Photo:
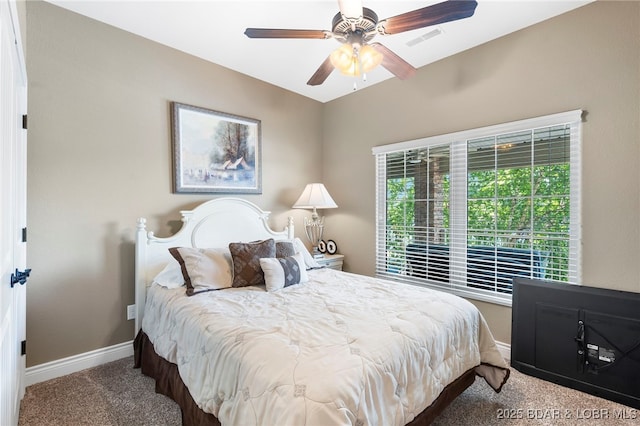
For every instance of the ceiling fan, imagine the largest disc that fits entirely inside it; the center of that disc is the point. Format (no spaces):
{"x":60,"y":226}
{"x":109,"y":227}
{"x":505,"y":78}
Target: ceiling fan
{"x":355,"y":26}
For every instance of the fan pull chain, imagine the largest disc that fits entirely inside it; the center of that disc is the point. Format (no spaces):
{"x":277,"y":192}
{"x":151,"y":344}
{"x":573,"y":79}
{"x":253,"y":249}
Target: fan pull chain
{"x":356,"y":67}
{"x":359,"y":67}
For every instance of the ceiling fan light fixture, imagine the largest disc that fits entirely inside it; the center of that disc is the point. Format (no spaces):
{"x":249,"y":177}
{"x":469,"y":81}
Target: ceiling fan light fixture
{"x":369,"y":58}
{"x":352,"y":60}
{"x":345,"y":60}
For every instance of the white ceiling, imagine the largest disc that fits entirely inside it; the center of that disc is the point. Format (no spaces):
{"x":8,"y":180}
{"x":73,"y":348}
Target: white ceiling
{"x":214,"y":30}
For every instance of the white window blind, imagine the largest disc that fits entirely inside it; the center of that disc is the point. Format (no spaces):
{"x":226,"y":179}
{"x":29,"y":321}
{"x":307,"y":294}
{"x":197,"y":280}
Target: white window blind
{"x":469,"y":211}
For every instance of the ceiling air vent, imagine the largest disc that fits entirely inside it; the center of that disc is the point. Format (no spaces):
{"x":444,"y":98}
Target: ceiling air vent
{"x":431,"y":34}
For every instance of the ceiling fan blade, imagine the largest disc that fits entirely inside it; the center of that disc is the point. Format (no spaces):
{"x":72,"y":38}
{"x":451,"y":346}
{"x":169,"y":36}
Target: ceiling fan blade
{"x":350,"y":8}
{"x":440,"y":13}
{"x":321,"y":73}
{"x":283,"y":33}
{"x":394,"y":63}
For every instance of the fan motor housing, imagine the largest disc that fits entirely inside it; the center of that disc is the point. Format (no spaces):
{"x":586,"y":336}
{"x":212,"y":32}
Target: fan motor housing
{"x":365,"y":26}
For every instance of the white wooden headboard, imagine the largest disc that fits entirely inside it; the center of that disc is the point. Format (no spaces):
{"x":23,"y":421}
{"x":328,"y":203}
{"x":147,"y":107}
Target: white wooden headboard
{"x":215,"y":223}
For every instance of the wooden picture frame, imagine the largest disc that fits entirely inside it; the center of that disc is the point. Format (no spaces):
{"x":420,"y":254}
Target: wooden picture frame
{"x":215,"y":152}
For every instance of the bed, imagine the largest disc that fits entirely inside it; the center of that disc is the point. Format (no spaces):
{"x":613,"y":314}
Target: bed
{"x":301,"y":345}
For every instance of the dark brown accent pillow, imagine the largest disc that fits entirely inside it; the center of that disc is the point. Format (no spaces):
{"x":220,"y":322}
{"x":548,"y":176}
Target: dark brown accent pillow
{"x":285,"y":249}
{"x":246,"y":261}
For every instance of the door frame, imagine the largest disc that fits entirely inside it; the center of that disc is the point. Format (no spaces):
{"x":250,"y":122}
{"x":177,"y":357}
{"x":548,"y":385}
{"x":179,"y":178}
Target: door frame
{"x":13,"y":156}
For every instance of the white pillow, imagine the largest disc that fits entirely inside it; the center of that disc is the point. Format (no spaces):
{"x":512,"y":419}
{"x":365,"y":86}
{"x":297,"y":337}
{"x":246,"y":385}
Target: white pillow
{"x":170,"y":276}
{"x":280,"y":272}
{"x":309,"y":261}
{"x":204,"y":269}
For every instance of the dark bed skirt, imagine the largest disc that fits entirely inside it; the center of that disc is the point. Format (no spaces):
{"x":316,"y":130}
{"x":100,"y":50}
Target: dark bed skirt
{"x":169,"y":383}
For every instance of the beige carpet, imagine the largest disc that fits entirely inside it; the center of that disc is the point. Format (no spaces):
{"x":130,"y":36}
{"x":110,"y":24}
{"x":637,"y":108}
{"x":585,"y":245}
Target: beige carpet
{"x":117,"y":394}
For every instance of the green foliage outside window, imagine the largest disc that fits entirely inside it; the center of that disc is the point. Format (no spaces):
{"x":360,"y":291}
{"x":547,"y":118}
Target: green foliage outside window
{"x":525,"y":207}
{"x":400,"y":220}
{"x":522,"y":208}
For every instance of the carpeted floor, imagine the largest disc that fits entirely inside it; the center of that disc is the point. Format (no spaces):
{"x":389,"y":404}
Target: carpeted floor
{"x":117,"y":394}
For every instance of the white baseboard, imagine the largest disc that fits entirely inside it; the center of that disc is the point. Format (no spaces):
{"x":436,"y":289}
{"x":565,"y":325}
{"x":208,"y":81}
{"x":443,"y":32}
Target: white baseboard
{"x":75,"y":363}
{"x":505,"y":350}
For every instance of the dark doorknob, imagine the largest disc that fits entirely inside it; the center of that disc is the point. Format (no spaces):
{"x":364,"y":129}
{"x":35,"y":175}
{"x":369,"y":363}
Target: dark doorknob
{"x":20,"y":277}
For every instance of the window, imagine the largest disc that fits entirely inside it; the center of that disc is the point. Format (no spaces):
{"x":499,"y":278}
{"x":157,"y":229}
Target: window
{"x":470,"y":211}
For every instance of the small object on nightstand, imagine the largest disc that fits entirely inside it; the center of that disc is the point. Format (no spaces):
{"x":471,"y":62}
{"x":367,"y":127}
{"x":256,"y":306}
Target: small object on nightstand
{"x":322,"y":246}
{"x":332,"y":261}
{"x":332,"y":248}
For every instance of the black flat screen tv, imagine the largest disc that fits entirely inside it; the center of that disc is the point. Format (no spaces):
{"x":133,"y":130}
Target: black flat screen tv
{"x":581,"y":337}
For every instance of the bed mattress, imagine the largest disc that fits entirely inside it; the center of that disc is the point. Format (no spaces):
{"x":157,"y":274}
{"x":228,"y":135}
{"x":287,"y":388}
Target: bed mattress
{"x":341,"y":349}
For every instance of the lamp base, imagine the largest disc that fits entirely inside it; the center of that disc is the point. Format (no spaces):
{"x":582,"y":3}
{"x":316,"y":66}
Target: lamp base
{"x":313,"y":228}
{"x":316,"y":253}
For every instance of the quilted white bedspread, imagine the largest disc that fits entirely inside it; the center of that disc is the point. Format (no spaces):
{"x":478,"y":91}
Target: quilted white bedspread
{"x":342,"y":349}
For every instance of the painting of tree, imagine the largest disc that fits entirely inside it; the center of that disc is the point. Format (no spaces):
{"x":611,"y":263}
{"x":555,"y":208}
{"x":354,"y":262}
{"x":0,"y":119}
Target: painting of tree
{"x":234,"y":141}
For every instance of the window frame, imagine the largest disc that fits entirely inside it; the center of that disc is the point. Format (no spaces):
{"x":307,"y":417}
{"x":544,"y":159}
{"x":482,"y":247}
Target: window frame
{"x":457,"y":142}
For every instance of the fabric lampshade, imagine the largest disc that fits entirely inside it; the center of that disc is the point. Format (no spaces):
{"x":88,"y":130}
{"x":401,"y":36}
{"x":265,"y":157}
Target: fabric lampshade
{"x":315,"y":196}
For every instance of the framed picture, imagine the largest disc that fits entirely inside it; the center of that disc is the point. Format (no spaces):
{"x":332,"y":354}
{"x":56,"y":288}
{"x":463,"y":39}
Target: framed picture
{"x":215,"y":152}
{"x":332,"y":247}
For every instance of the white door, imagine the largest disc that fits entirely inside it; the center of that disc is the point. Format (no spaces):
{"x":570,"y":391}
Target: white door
{"x":13,"y":151}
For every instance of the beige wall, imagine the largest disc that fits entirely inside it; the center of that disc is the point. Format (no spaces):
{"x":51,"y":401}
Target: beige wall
{"x":586,"y":59}
{"x":99,"y":152}
{"x":100,"y":156}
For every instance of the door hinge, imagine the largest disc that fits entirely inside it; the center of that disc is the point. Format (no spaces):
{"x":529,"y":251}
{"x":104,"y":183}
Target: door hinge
{"x":24,"y":121}
{"x":23,"y":347}
{"x":24,"y":235}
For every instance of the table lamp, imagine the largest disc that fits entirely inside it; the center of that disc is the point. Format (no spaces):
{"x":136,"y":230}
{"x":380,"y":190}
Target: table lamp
{"x":315,"y":196}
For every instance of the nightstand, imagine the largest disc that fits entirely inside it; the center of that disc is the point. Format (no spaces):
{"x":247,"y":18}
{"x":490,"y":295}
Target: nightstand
{"x":332,"y":261}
